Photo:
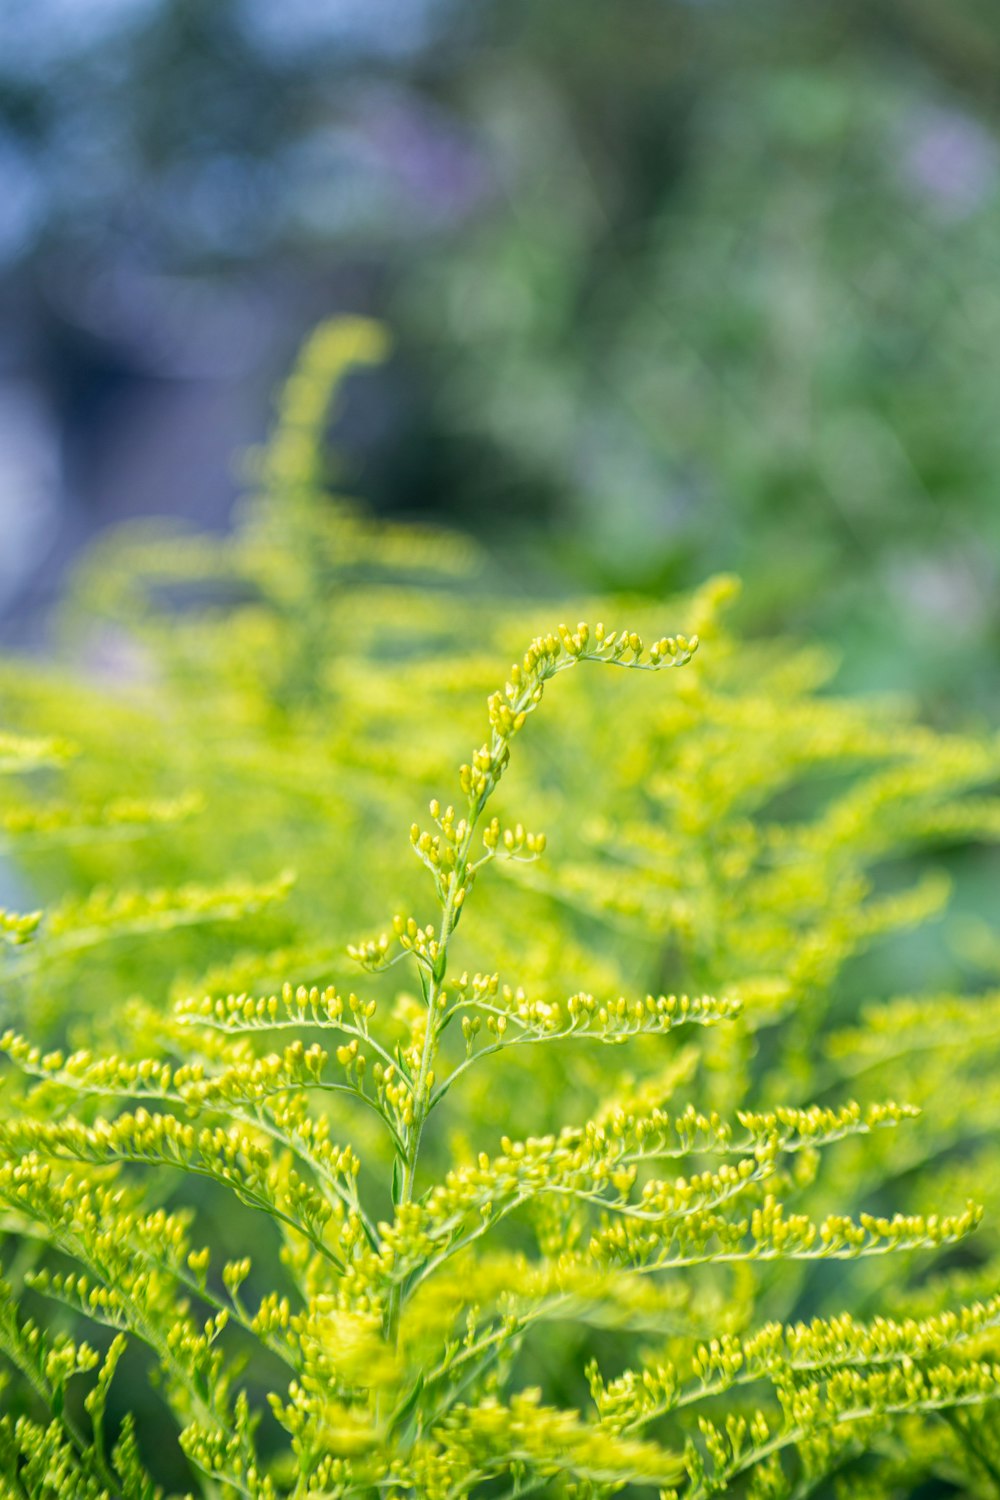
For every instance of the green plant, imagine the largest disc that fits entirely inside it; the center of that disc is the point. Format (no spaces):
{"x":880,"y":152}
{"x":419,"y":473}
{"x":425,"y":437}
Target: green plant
{"x":399,"y":1337}
{"x":744,"y":835}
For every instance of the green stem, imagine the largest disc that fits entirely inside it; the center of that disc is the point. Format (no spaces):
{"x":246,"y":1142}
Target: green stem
{"x":522,"y":704}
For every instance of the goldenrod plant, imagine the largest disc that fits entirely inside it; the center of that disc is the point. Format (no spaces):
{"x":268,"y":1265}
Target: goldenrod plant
{"x":613,"y":1162}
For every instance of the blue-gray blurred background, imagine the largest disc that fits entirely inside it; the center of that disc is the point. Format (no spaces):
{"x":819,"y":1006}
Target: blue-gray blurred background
{"x":674,"y":286}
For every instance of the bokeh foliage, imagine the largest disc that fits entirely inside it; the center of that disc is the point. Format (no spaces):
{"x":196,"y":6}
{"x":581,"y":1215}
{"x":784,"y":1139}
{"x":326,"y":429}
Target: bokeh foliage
{"x":705,"y":288}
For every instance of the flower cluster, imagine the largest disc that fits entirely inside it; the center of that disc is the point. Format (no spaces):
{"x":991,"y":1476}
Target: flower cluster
{"x":597,"y":1111}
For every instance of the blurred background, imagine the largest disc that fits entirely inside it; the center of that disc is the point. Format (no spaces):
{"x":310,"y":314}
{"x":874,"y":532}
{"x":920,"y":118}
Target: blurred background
{"x":674,"y":286}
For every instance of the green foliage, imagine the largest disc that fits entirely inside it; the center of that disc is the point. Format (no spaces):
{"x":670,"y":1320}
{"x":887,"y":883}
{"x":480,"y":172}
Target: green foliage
{"x":759,"y":346}
{"x":294,"y":1211}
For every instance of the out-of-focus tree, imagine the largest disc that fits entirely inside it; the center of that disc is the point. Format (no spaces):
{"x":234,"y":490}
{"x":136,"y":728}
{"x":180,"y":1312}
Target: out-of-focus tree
{"x":689,"y":286}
